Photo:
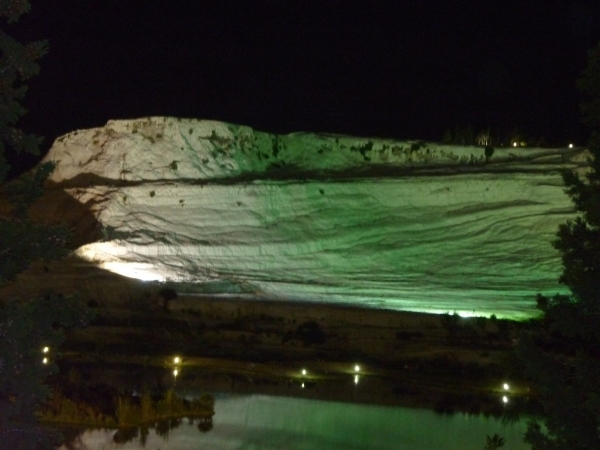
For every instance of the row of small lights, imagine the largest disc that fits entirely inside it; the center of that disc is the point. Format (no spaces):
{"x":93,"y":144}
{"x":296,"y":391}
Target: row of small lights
{"x":356,"y":373}
{"x":522,"y":144}
{"x":505,"y":386}
{"x":177,"y":361}
{"x":304,"y":372}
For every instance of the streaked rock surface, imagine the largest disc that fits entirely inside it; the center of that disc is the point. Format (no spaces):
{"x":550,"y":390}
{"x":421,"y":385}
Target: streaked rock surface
{"x":372,"y":222}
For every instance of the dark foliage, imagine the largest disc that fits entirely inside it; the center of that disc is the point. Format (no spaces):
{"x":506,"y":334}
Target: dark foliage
{"x":29,"y":325}
{"x":563,"y":356}
{"x":310,"y":333}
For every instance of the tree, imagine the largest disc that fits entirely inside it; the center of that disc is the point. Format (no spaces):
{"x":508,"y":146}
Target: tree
{"x":167,"y":294}
{"x":26,"y":330}
{"x":26,"y":326}
{"x":493,"y":442}
{"x":589,"y":86}
{"x":563,"y":357}
{"x":17,"y":65}
{"x":310,"y":333}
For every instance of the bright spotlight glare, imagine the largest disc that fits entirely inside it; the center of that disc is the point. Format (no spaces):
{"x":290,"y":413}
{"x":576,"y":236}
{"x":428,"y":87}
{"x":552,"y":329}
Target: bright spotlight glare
{"x":506,"y":386}
{"x":303,"y":371}
{"x":139,"y":271}
{"x":46,"y":349}
{"x":111,"y":256}
{"x":570,"y":145}
{"x":357,"y":368}
{"x":176,"y":360}
{"x":514,"y":144}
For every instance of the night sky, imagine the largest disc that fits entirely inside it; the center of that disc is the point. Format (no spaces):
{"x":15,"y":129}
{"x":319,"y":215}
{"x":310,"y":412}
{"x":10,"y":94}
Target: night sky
{"x":400,"y":69}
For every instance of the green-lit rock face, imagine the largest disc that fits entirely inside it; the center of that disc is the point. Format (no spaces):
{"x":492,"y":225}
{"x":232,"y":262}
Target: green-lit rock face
{"x":378,"y":223}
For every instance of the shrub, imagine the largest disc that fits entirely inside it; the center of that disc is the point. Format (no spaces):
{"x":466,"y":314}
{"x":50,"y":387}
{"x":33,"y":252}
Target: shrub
{"x":310,"y":333}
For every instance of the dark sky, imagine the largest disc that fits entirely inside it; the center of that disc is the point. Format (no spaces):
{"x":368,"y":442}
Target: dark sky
{"x":403,"y":69}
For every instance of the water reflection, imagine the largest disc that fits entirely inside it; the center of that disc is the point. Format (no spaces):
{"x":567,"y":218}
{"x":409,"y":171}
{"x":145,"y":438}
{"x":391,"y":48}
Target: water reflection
{"x":125,"y":435}
{"x":161,"y":429}
{"x":268,"y":422}
{"x":205,"y":425}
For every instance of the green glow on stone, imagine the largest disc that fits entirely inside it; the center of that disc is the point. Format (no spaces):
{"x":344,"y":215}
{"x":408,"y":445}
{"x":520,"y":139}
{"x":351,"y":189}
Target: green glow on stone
{"x":475,"y":243}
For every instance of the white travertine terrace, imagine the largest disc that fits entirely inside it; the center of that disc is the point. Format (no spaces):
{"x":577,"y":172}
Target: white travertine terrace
{"x":374,"y":222}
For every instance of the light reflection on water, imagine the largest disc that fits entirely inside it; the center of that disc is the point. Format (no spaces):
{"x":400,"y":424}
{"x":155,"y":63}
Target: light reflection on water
{"x":256,"y":422}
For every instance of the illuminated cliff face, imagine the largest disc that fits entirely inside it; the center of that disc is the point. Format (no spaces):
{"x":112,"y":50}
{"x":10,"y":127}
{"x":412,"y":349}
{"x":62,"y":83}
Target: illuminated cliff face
{"x":400,"y":225}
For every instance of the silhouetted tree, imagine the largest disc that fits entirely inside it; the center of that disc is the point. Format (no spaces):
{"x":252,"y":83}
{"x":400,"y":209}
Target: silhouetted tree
{"x":167,"y":294}
{"x":563,"y":357}
{"x":25,"y":326}
{"x":494,"y":442}
{"x":310,"y":333}
{"x":450,"y":322}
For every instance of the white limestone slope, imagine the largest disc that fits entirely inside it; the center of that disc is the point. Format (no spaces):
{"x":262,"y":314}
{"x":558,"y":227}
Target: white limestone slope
{"x":373,"y":222}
